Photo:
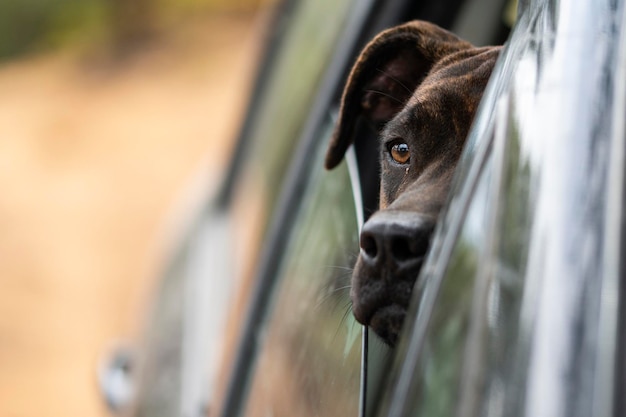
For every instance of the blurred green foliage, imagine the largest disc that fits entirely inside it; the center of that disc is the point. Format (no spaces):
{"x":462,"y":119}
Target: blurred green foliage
{"x":34,"y":25}
{"x":30,"y":24}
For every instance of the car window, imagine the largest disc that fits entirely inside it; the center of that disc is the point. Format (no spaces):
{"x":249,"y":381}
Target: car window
{"x":471,"y":332}
{"x":276,"y":124}
{"x":514,"y":322}
{"x":194,"y":324}
{"x":309,"y":362}
{"x":471,"y":274}
{"x":431,"y":388}
{"x":314,"y":28}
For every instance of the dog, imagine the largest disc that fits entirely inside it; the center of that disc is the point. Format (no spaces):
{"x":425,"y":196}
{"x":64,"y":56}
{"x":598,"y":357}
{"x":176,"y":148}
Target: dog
{"x":418,"y":86}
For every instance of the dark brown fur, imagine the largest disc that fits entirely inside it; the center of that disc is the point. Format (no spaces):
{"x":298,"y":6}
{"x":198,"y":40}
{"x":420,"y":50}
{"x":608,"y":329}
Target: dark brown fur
{"x":418,"y":85}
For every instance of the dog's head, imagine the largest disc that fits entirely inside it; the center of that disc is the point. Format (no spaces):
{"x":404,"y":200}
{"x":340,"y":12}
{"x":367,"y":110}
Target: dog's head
{"x":418,"y":86}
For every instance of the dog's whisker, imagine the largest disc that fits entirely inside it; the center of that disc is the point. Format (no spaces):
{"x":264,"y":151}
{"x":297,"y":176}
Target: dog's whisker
{"x":343,"y":276}
{"x":395,"y":79}
{"x":346,"y":313}
{"x":347,"y":310}
{"x":329,"y":294}
{"x":345,"y":268}
{"x":382,"y":93}
{"x":334,"y":291}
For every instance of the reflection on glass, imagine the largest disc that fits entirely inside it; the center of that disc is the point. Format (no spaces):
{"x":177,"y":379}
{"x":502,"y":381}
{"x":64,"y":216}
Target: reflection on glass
{"x":434,"y":388}
{"x":513,"y":329}
{"x":470,"y":352}
{"x":277,"y":122}
{"x":312,"y":30}
{"x":507,"y":257}
{"x":309,"y":363}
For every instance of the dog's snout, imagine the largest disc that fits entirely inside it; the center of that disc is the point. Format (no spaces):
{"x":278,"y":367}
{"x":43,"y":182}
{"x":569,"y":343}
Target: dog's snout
{"x":370,"y":242}
{"x":395,"y":239}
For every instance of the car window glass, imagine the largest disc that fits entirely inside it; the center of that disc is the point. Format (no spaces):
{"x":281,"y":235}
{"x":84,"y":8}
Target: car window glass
{"x":309,"y":364}
{"x":498,"y":295}
{"x":313,"y":28}
{"x":432,"y":387}
{"x":277,"y":122}
{"x":441,"y":361}
{"x":471,"y":346}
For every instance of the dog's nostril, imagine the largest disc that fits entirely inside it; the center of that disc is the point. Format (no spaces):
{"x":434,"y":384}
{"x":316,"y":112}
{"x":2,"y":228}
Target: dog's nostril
{"x":401,"y":249}
{"x":423,"y":243}
{"x":405,"y":248}
{"x":368,"y":245}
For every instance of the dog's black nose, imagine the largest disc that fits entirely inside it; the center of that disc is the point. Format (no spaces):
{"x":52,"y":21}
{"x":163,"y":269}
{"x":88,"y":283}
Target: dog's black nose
{"x":395,"y":240}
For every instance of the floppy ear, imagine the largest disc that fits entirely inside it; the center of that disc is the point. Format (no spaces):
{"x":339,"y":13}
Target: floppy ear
{"x":385,"y":76}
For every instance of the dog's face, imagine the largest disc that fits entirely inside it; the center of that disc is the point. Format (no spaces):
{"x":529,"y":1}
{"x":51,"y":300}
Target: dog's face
{"x":418,"y":86}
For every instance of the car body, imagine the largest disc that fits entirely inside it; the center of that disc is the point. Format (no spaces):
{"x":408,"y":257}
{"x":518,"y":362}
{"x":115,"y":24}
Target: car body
{"x":519,"y":307}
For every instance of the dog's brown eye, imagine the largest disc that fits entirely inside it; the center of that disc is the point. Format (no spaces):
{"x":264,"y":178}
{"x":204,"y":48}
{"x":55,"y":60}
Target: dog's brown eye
{"x":400,"y":152}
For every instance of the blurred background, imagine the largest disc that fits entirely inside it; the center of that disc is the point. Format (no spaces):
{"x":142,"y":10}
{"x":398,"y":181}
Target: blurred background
{"x":112,"y":112}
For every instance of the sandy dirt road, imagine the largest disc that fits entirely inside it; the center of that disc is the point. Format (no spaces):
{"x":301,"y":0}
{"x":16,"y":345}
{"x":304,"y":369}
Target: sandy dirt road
{"x":92,"y":164}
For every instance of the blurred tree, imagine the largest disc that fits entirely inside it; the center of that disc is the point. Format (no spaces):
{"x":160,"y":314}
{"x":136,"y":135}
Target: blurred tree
{"x":121,"y":25}
{"x":35,"y":25}
{"x":133,"y":22}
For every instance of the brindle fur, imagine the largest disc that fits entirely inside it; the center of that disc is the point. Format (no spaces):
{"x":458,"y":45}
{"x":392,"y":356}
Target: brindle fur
{"x":419,"y":84}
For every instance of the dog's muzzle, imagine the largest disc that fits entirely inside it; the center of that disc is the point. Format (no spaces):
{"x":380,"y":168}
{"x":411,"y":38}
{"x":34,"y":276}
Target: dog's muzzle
{"x":393,"y":247}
